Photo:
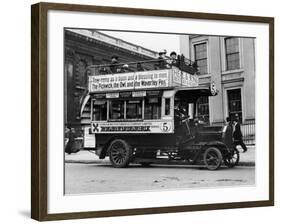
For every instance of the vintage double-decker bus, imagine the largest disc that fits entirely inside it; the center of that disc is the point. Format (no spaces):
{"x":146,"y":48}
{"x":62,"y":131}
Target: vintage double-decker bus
{"x":150,"y":116}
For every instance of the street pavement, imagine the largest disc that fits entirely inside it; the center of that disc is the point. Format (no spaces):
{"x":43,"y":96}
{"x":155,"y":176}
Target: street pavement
{"x":85,"y":173}
{"x":97,"y":178}
{"x":86,"y":157}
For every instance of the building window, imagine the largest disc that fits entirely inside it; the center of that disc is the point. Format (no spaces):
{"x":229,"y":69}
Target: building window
{"x":203,"y":108}
{"x":81,"y":76}
{"x":232,"y":53}
{"x":200,"y":56}
{"x":234,"y":103}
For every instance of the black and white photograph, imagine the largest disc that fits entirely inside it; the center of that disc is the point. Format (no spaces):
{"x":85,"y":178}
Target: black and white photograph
{"x":150,"y":111}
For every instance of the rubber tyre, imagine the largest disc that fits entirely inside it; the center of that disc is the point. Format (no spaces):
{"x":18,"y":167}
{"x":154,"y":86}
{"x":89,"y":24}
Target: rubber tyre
{"x":120,"y":153}
{"x":212,"y":158}
{"x":234,"y":160}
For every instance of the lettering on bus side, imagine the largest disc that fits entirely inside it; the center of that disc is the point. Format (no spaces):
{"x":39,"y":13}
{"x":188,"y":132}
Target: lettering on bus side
{"x":125,"y":128}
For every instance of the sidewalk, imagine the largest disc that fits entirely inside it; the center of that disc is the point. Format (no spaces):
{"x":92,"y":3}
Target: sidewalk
{"x":248,"y":158}
{"x":86,"y":157}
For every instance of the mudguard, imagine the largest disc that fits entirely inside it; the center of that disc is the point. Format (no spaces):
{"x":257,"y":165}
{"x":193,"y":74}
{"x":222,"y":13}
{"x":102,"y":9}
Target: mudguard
{"x":217,"y":144}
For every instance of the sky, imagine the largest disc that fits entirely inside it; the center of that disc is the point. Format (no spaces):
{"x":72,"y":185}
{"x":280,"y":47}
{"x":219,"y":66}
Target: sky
{"x":152,"y":41}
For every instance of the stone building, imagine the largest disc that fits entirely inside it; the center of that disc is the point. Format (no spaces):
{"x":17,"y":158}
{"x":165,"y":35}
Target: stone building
{"x":230,"y":63}
{"x":90,"y":47}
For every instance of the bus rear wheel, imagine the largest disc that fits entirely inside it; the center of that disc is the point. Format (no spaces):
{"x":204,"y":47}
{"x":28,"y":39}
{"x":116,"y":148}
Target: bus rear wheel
{"x":120,"y":153}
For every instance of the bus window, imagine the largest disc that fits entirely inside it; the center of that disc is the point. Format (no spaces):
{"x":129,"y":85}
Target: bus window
{"x":152,"y":108}
{"x":134,"y":109}
{"x":99,"y":110}
{"x":116,"y":109}
{"x":167,"y":106}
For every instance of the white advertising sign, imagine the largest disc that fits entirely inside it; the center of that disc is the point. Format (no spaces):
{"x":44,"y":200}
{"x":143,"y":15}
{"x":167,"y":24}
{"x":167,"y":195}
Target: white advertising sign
{"x":133,"y":127}
{"x":89,"y":139}
{"x":129,"y":81}
{"x":185,"y":79}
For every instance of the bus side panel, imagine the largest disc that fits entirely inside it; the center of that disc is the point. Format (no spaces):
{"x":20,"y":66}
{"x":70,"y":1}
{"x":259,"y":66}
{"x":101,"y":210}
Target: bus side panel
{"x":152,"y":141}
{"x":89,"y":139}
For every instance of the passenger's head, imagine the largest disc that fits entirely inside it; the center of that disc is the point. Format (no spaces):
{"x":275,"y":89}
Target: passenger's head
{"x":177,"y":103}
{"x":114,"y":58}
{"x":162,"y":53}
{"x":173,"y":55}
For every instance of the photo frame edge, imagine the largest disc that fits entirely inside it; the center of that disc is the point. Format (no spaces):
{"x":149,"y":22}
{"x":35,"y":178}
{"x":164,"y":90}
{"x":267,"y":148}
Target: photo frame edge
{"x":39,"y":110}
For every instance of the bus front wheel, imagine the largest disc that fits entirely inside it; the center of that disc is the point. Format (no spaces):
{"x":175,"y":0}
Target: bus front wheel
{"x":120,"y":153}
{"x":212,"y":158}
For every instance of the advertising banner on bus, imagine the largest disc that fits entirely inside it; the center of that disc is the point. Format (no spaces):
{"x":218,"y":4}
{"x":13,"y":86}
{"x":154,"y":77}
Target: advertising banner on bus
{"x":180,"y":78}
{"x":142,"y":80}
{"x":133,"y":127}
{"x":129,"y":81}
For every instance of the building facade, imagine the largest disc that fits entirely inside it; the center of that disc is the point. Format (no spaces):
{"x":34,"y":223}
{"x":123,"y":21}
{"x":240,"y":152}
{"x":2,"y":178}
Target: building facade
{"x":230,"y":63}
{"x":83,"y":48}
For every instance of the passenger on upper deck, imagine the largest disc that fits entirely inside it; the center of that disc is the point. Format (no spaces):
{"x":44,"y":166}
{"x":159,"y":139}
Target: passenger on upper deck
{"x":162,"y":63}
{"x":114,"y":64}
{"x":174,"y":59}
{"x":139,"y":67}
{"x":125,"y":68}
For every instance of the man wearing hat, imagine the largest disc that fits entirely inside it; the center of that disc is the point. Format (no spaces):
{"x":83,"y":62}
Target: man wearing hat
{"x":162,"y":64}
{"x":237,"y":134}
{"x":114,"y":64}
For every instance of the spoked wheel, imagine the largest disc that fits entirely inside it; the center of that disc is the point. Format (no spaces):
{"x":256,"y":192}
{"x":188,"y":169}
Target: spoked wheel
{"x":120,"y":153}
{"x":233,"y":159}
{"x":212,"y":158}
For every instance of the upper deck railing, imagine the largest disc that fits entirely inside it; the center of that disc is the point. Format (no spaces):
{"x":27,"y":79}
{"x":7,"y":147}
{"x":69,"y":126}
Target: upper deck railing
{"x":155,"y":64}
{"x":141,"y":75}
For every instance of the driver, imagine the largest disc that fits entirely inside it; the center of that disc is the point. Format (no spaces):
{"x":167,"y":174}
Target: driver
{"x":180,"y":112}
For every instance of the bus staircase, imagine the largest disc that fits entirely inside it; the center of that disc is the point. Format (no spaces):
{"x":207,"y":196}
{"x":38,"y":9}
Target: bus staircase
{"x":85,"y":114}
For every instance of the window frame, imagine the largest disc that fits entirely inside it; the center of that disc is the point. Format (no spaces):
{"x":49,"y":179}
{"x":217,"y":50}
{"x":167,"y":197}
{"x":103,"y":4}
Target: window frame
{"x":108,"y":109}
{"x":197,"y":110}
{"x":226,"y":68}
{"x":126,"y":112}
{"x":194,"y":44}
{"x":160,"y":101}
{"x":241,"y":101}
{"x":92,"y":109}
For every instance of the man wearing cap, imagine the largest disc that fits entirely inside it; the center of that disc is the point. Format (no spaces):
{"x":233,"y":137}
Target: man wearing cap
{"x":237,"y":134}
{"x":114,"y":64}
{"x":162,"y":64}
